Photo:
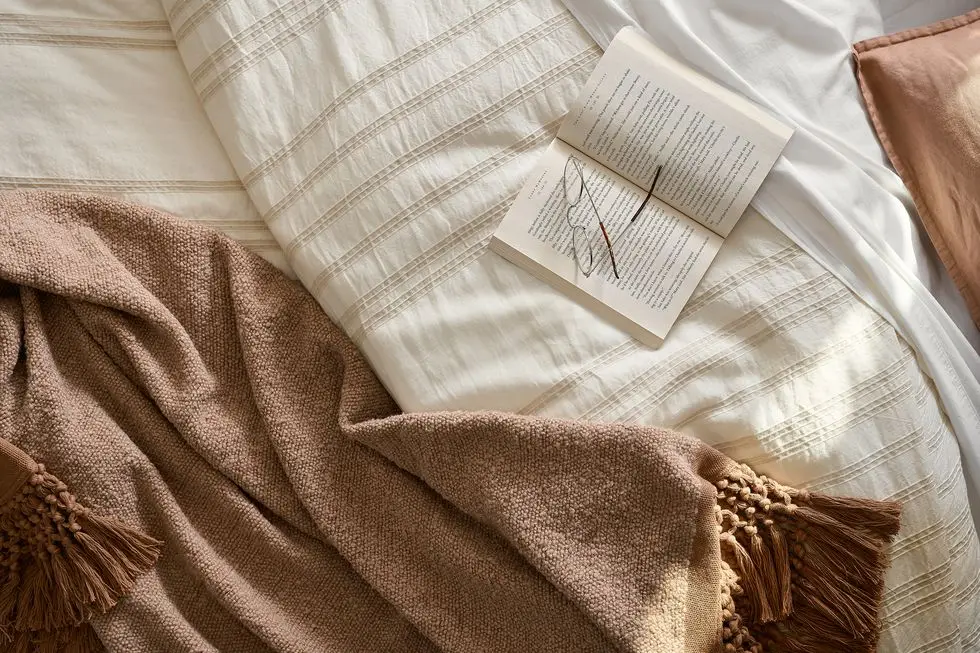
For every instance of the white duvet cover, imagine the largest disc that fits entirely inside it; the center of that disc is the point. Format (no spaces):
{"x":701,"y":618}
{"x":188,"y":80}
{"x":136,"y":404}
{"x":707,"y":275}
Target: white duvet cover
{"x":830,"y":192}
{"x":382,"y":142}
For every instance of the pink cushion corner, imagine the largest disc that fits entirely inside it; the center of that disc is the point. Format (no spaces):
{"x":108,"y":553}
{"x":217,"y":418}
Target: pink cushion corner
{"x":922,"y":91}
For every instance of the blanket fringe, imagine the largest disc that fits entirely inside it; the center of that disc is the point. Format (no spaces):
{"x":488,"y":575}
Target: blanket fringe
{"x":803,"y":571}
{"x":60,"y":564}
{"x":80,"y":639}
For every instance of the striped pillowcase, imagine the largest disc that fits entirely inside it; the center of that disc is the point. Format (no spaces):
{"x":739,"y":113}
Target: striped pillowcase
{"x":96,"y":99}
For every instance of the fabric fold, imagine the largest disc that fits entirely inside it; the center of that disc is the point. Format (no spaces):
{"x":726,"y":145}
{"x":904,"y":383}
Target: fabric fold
{"x":830,"y":192}
{"x":188,"y":389}
{"x":60,"y":563}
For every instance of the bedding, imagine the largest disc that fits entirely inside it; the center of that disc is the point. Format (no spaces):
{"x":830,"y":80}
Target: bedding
{"x":194,"y":392}
{"x":382,"y":142}
{"x":919,"y":88}
{"x":830,"y":192}
{"x":95,"y":99}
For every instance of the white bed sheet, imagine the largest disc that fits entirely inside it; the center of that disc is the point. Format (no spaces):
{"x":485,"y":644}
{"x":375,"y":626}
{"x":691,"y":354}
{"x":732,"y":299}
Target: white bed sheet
{"x":94,"y":98}
{"x":830,"y":192}
{"x":383,"y":141}
{"x":775,"y":361}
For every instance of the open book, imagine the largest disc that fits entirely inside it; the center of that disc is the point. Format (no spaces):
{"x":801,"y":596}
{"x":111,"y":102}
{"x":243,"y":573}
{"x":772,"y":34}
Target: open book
{"x":575,"y":223}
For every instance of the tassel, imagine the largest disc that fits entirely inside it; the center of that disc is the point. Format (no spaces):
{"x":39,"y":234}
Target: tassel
{"x":60,"y":565}
{"x":65,"y":640}
{"x":780,"y":556}
{"x":813,"y":575}
{"x":772,"y":608}
{"x":85,"y":642}
{"x":35,"y":590}
{"x":749,"y":579}
{"x":879,"y":517}
{"x":9,"y":585}
{"x":843,"y":568}
{"x":816,"y":521}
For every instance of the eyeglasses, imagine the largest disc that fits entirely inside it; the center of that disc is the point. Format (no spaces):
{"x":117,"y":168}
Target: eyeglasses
{"x":574,"y":185}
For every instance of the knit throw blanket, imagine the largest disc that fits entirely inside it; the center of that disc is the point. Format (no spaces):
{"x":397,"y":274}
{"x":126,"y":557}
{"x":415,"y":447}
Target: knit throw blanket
{"x":184,"y":427}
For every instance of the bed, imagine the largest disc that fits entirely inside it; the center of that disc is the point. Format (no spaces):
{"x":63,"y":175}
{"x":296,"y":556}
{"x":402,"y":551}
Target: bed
{"x":371,"y":148}
{"x":103,"y":105}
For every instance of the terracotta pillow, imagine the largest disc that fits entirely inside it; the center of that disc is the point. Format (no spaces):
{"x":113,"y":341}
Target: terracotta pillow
{"x":922,"y":90}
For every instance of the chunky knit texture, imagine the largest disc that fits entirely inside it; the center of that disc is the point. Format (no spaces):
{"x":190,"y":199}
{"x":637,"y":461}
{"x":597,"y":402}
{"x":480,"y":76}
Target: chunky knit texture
{"x":186,"y":391}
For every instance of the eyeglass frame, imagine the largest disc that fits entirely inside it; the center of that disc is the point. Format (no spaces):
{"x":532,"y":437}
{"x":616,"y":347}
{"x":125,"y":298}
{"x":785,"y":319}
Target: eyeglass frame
{"x":602,"y":227}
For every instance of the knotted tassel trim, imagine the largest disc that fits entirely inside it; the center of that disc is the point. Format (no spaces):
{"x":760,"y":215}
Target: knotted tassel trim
{"x":801,"y":572}
{"x":60,"y":565}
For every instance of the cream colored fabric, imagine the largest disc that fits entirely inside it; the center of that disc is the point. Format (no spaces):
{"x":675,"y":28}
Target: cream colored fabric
{"x":95,"y":99}
{"x":383,"y":141}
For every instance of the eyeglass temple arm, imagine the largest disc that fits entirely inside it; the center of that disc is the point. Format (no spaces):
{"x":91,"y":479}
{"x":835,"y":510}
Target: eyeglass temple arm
{"x":612,"y":257}
{"x":646,"y":199}
{"x":602,"y":228}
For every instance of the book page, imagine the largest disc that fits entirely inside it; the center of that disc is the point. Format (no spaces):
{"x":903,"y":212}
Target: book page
{"x":641,"y":109}
{"x":660,"y":257}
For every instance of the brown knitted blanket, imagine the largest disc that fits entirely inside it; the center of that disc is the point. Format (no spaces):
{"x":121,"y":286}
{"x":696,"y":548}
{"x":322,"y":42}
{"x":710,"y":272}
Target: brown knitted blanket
{"x":205,"y":410}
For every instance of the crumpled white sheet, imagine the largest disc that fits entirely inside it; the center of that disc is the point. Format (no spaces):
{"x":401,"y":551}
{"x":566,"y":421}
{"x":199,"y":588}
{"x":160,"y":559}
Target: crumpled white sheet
{"x":831,"y":192}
